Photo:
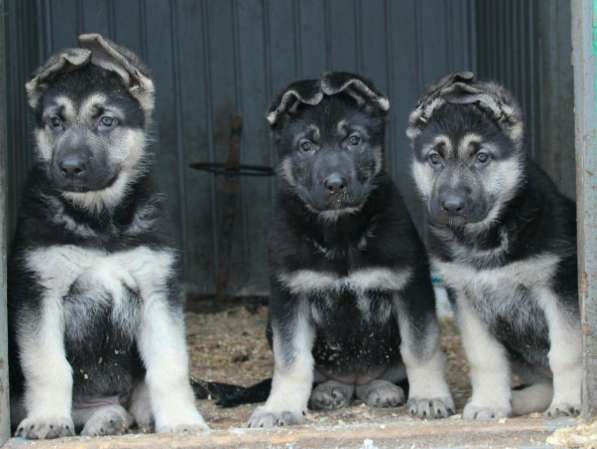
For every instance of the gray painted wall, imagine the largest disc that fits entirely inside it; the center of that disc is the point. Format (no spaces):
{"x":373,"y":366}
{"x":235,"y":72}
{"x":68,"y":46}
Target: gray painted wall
{"x":214,"y":58}
{"x":526,"y":44}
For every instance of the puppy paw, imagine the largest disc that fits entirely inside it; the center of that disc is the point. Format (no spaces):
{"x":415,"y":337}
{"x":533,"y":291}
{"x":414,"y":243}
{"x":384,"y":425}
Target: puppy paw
{"x":562,"y":409}
{"x":381,"y":393}
{"x":330,"y":396}
{"x":39,"y":428}
{"x":430,"y":408}
{"x":111,"y":420}
{"x":263,"y":417}
{"x":483,"y":413}
{"x":191,"y":424}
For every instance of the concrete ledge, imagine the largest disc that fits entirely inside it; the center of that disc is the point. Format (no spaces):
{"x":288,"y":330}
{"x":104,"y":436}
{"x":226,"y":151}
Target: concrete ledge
{"x":449,"y":433}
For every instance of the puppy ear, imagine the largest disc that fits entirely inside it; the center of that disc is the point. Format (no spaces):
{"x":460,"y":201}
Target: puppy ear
{"x":361,"y":89}
{"x":112,"y":57}
{"x":65,"y":61}
{"x":432,"y":100}
{"x":461,"y":88}
{"x":305,"y":91}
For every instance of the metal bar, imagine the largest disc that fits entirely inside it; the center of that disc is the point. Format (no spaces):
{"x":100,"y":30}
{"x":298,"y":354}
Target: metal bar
{"x":4,"y":399}
{"x":584,"y":45}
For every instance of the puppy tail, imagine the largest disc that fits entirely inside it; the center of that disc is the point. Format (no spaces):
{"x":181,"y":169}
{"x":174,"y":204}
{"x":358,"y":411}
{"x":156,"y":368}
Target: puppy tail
{"x":229,"y":395}
{"x":246,"y":395}
{"x":531,"y":399}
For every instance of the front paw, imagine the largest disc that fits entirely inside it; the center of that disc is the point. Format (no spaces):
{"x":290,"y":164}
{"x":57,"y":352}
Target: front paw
{"x":562,"y":409}
{"x":45,"y":428}
{"x":381,"y":393}
{"x":112,"y":420}
{"x":330,"y":396}
{"x":430,"y":408}
{"x":262,"y":417}
{"x":473,"y":411}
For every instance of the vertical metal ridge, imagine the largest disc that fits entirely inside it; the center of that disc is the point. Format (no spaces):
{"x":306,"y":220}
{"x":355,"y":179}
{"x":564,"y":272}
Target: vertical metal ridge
{"x":418,"y":45}
{"x":143,"y":28}
{"x":267,"y":42}
{"x":448,"y":5}
{"x":238,"y":101}
{"x":327,"y":33}
{"x":298,"y":47}
{"x":358,"y":41}
{"x":111,"y":13}
{"x":180,"y":146}
{"x":210,"y":124}
{"x":80,"y":25}
{"x":388,"y":31}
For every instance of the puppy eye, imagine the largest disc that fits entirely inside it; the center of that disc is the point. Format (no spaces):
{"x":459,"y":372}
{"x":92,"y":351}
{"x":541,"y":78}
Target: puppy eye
{"x":55,"y":122}
{"x":354,"y":140}
{"x":482,"y":157}
{"x":435,"y":159}
{"x":107,"y":122}
{"x":306,"y":145}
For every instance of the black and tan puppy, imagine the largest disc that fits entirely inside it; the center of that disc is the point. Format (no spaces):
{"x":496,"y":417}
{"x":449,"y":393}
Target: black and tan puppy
{"x":352,"y":307}
{"x":504,"y":240}
{"x":95,"y":315}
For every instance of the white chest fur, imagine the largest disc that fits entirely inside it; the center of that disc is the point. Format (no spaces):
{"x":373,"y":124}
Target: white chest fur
{"x":513,"y":292}
{"x":140,"y":269}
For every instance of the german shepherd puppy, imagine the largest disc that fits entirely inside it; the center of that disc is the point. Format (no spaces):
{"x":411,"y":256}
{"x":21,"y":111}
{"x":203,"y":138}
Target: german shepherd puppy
{"x":352,"y":307}
{"x":95,"y":315}
{"x":504,"y":241}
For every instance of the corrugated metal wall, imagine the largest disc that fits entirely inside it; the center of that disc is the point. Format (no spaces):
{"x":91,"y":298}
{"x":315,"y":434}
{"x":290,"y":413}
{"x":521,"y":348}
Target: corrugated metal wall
{"x":526,"y":44}
{"x":215,"y":58}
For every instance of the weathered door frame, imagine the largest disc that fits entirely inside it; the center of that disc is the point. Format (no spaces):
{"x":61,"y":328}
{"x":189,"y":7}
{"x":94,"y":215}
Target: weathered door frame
{"x":4,"y":401}
{"x":584,"y":34}
{"x":584,"y":44}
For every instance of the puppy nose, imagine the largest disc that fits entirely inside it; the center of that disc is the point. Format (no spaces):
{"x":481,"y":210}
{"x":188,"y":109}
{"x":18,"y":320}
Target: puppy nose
{"x":453,"y":203}
{"x":73,"y":166}
{"x":334,"y":183}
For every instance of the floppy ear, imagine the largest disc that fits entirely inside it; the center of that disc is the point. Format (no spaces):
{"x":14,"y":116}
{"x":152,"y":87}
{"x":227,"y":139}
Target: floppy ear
{"x":305,"y":91}
{"x":360,"y":89}
{"x":65,"y":61}
{"x":432,"y":100}
{"x":461,"y":88}
{"x":110,"y":56}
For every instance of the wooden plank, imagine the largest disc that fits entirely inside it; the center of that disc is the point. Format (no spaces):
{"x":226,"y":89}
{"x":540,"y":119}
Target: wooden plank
{"x":452,"y":433}
{"x":584,"y":43}
{"x":4,"y":399}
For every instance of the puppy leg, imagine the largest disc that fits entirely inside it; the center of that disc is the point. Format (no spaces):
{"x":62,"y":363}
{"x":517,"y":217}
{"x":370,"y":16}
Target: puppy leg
{"x":48,"y":375}
{"x":140,"y":407}
{"x":381,"y":393}
{"x":293,"y":371}
{"x":331,"y":395}
{"x":489,"y":367}
{"x":564,"y":357}
{"x":161,"y":343}
{"x":429,"y":394}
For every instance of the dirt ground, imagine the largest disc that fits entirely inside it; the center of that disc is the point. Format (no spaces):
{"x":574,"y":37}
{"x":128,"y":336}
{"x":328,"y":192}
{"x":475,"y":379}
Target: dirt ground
{"x":227,"y":344}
